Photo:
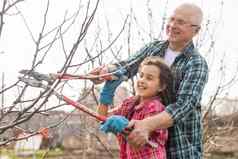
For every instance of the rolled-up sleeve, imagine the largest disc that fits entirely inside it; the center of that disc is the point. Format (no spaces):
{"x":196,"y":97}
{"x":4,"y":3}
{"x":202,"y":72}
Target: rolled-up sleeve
{"x":133,"y":62}
{"x":188,"y":95}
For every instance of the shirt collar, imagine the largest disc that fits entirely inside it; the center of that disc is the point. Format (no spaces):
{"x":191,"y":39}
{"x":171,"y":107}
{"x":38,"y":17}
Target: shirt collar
{"x":187,"y":51}
{"x":143,"y":104}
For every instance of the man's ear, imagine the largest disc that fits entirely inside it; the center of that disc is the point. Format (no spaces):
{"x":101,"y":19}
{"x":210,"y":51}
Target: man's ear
{"x":197,"y":29}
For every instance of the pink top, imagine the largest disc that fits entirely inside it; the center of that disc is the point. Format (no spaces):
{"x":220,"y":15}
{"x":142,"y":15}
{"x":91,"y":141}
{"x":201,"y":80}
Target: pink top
{"x":141,"y":111}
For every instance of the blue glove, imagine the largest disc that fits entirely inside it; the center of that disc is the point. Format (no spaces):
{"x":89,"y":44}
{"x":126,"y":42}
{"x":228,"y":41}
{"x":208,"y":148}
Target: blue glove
{"x":108,"y":90}
{"x":114,"y":124}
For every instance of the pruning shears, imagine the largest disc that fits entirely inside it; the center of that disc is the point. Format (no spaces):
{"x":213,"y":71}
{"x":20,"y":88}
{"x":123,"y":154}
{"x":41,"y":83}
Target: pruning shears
{"x":65,"y":76}
{"x":36,"y":79}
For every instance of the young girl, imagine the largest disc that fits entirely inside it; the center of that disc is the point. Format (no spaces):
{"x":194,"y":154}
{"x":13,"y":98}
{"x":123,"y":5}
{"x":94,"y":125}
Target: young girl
{"x":153,"y":87}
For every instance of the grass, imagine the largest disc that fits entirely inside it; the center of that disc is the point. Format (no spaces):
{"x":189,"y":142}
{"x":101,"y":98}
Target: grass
{"x":39,"y":154}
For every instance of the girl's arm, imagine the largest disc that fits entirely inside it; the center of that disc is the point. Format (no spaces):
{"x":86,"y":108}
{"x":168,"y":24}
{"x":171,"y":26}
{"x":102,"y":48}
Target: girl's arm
{"x":114,"y":111}
{"x":105,"y":111}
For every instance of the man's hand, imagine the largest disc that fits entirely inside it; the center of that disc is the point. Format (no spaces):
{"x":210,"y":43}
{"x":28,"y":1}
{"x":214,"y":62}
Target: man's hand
{"x":107,"y":72}
{"x":114,"y":124}
{"x":143,"y":128}
{"x":99,"y":71}
{"x":140,"y":133}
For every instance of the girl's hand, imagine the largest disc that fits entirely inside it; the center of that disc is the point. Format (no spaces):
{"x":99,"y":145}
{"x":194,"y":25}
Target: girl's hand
{"x":114,"y":124}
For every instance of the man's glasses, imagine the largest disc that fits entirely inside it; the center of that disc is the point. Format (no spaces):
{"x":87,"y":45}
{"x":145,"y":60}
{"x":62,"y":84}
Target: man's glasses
{"x":181,"y":22}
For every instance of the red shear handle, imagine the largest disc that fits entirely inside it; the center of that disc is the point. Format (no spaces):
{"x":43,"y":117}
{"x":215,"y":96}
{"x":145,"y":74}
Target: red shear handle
{"x":101,"y":77}
{"x":84,"y":109}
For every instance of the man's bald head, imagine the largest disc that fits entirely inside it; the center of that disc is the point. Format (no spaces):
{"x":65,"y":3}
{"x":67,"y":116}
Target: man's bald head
{"x":193,"y":12}
{"x":183,"y":24}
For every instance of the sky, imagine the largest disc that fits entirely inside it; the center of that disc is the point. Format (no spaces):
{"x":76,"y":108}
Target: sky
{"x":17,"y":48}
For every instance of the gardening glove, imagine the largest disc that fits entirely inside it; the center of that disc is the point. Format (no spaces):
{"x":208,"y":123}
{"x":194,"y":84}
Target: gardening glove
{"x":108,"y":90}
{"x":114,"y":124}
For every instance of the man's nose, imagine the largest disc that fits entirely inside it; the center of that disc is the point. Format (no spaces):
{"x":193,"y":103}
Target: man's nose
{"x":141,"y":80}
{"x":172,"y":23}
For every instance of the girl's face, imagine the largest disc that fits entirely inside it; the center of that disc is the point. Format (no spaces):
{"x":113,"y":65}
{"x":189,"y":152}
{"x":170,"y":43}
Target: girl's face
{"x":148,"y":83}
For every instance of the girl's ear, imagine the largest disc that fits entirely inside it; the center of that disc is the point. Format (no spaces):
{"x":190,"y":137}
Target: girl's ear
{"x":163,"y":87}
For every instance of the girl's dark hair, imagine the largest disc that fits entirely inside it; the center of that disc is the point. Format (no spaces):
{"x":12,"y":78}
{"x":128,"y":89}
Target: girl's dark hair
{"x":166,"y":78}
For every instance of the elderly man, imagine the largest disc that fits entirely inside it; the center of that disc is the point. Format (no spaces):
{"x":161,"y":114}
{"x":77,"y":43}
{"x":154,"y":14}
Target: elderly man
{"x":182,"y":117}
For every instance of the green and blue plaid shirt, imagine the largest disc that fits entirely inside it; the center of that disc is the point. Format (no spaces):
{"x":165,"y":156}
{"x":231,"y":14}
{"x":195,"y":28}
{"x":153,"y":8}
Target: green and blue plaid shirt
{"x":191,"y":74}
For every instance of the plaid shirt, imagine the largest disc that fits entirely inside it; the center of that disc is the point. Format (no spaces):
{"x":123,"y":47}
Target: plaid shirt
{"x":131,"y":110}
{"x":191,"y":74}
